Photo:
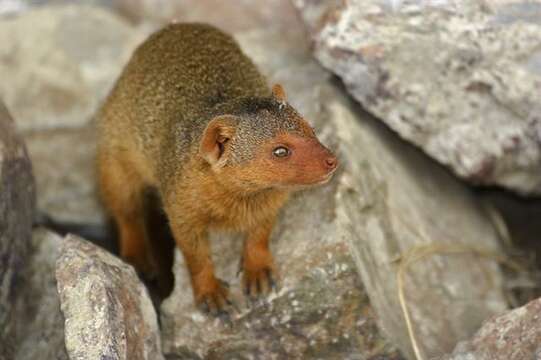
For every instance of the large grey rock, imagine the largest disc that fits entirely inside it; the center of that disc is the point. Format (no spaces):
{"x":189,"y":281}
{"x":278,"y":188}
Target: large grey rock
{"x":243,"y":16}
{"x":17,"y":200}
{"x":515,"y":335}
{"x":66,"y":187}
{"x":39,"y":326}
{"x":461,"y":79}
{"x":56,"y":63}
{"x":14,"y":7}
{"x":108,"y":312}
{"x":336,"y":244}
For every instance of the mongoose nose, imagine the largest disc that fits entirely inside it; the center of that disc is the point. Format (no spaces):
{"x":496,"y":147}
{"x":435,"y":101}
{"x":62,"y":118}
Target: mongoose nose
{"x":331,"y":162}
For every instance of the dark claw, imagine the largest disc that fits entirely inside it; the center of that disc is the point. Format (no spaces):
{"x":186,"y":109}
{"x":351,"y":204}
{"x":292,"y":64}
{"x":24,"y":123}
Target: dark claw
{"x":256,"y":302}
{"x":214,"y":311}
{"x":272,"y":281}
{"x":251,"y":301}
{"x":225,"y":318}
{"x":233,"y":305}
{"x":204,"y":307}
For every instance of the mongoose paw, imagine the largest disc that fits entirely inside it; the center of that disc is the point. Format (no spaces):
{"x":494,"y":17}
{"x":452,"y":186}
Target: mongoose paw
{"x":215,"y":300}
{"x":259,"y":278}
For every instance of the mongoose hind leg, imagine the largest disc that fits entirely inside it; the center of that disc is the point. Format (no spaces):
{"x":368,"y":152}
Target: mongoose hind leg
{"x":257,"y":263}
{"x":162,"y":247}
{"x":122,"y":191}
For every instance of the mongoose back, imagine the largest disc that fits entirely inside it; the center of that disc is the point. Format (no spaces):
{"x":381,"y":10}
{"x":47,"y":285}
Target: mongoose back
{"x":193,"y":118}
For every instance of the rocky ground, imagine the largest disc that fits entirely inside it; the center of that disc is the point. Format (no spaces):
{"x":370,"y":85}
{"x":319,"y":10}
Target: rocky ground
{"x":394,"y":236}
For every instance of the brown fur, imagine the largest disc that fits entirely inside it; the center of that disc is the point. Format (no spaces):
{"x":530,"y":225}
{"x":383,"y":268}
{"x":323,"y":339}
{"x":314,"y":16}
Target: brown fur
{"x":192,"y":117}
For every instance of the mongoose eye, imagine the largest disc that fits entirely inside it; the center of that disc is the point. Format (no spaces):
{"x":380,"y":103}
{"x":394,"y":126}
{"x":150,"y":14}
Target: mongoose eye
{"x":281,"y":152}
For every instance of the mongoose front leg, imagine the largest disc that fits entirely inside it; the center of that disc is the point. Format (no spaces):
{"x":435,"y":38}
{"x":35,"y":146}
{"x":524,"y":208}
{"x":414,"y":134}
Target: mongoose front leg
{"x":210,"y":293}
{"x":259,"y":272}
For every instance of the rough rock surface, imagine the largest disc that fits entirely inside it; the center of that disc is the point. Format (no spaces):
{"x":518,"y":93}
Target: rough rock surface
{"x":459,"y":78}
{"x":515,"y":335}
{"x":244,"y":16}
{"x":9,"y":8}
{"x":17,"y":200}
{"x":56,"y":63}
{"x":66,"y":189}
{"x":108,"y":312}
{"x":386,"y":199}
{"x":39,"y":329}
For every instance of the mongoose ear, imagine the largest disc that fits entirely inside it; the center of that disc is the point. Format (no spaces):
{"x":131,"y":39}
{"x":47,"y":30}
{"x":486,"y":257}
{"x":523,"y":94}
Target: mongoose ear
{"x":215,"y":137}
{"x":279,"y":93}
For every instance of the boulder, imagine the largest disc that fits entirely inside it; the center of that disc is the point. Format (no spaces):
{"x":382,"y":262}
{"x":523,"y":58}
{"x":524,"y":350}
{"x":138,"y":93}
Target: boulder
{"x":244,"y":16}
{"x":17,"y":200}
{"x":56,"y":63}
{"x":39,"y":325}
{"x":10,"y":8}
{"x":515,"y":335}
{"x":67,"y":188}
{"x":108,"y":313}
{"x":459,"y":79}
{"x":337,"y":245}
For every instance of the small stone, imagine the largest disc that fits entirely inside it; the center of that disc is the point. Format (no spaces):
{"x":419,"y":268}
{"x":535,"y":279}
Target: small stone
{"x":513,"y":335}
{"x":39,"y":329}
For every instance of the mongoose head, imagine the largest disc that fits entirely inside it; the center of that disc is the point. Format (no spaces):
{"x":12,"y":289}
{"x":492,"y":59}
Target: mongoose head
{"x":264,"y":143}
